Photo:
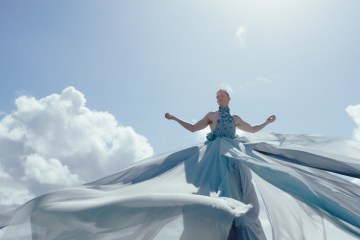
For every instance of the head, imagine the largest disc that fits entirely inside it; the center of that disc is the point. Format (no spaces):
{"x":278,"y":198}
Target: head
{"x":223,"y":98}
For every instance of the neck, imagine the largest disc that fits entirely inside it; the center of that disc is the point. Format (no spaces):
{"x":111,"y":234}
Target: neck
{"x":224,"y":110}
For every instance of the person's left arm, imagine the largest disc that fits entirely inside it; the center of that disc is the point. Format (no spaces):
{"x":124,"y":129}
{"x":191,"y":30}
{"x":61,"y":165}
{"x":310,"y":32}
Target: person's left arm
{"x":241,"y":124}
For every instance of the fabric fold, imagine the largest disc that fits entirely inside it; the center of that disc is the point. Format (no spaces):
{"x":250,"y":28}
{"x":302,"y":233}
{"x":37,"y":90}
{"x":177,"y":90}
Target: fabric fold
{"x":209,"y":191}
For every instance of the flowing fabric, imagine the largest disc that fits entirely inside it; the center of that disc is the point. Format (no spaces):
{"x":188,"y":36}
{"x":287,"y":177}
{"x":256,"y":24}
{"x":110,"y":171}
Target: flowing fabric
{"x":210,"y":191}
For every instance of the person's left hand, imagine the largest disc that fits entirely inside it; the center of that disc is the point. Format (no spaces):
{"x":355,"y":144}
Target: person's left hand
{"x":271,"y":119}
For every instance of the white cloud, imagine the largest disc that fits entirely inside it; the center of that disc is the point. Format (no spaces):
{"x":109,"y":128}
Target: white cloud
{"x":57,"y":141}
{"x":3,"y":174}
{"x":354,"y":113}
{"x":240,"y":35}
{"x":11,"y":192}
{"x":50,"y":171}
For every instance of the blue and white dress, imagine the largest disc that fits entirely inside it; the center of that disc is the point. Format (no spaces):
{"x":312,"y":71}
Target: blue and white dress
{"x":210,"y":191}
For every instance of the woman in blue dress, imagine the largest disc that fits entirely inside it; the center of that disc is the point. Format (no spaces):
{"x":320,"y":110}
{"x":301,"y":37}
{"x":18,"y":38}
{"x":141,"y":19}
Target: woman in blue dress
{"x":211,"y":191}
{"x":238,"y":183}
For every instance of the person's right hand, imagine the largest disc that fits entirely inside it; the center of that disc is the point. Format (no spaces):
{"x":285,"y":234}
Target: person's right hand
{"x":169,"y":116}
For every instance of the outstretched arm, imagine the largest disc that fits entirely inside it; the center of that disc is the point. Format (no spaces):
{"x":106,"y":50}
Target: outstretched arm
{"x":241,"y":124}
{"x":203,"y":123}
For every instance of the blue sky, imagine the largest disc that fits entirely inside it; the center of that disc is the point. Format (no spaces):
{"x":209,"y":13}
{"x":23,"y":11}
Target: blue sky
{"x":137,"y":60}
{"x":140,"y":59}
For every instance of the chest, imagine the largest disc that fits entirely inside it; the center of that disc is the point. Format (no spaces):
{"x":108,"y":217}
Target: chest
{"x":216,"y":118}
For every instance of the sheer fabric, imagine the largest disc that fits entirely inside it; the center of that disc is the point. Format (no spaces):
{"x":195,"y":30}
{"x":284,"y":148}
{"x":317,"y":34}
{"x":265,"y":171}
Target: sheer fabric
{"x":208,"y":192}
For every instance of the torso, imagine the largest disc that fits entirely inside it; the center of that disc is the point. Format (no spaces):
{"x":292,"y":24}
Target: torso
{"x":222,"y":123}
{"x":214,"y":116}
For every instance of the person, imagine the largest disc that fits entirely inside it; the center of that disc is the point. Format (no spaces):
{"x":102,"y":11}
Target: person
{"x":223,"y":124}
{"x":210,"y":119}
{"x":227,"y":187}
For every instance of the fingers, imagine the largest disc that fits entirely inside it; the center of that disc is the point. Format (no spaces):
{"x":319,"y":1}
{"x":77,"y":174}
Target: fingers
{"x":271,"y":119}
{"x":168,"y":116}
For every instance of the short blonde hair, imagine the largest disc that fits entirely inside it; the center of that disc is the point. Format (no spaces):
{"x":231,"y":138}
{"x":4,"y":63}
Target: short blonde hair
{"x":224,"y":90}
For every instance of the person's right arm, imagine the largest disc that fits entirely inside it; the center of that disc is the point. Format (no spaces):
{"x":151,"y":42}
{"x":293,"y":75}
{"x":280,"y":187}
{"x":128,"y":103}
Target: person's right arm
{"x":203,"y":123}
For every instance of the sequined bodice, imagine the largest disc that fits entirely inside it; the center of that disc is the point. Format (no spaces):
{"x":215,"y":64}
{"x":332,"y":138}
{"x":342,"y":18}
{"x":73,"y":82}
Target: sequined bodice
{"x":225,"y":125}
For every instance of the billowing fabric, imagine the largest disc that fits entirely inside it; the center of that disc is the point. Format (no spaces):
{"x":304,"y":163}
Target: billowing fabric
{"x":207,"y":192}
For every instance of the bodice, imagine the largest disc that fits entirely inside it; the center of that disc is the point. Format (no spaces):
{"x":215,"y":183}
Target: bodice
{"x":225,"y":127}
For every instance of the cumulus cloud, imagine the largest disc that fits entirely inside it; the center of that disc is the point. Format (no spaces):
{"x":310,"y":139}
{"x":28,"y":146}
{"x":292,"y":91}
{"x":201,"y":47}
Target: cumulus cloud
{"x":240,"y":35}
{"x":11,"y":192}
{"x":50,"y":171}
{"x":57,"y":141}
{"x":354,"y":113}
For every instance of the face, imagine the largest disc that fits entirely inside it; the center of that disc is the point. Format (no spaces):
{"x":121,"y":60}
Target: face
{"x":222,"y":98}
